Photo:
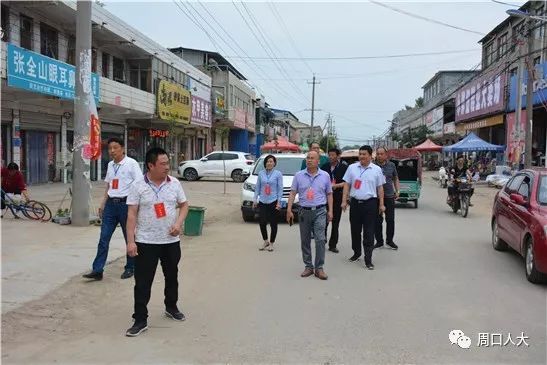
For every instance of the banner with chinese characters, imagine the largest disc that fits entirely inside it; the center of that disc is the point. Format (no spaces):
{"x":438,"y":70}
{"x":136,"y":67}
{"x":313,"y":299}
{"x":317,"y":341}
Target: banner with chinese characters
{"x":31,"y":71}
{"x":173,"y":103}
{"x":481,"y":97}
{"x":201,"y":112}
{"x":539,"y":85}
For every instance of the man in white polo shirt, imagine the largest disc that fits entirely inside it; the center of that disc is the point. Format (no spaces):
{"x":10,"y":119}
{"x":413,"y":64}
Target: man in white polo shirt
{"x":364,"y":185}
{"x":153,"y":233}
{"x":121,"y":173}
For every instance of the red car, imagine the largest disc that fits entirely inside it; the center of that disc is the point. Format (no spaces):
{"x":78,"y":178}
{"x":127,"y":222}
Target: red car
{"x":519,"y":220}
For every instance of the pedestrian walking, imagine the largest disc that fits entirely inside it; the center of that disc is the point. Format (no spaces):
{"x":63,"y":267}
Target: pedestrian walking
{"x":391,"y":194}
{"x":336,"y":170}
{"x":267,"y":197}
{"x":364,"y":185}
{"x":121,"y":174}
{"x":314,"y":189}
{"x":157,"y":209}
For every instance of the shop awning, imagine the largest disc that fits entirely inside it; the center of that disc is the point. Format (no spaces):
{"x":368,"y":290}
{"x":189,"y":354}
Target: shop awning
{"x":280,"y":144}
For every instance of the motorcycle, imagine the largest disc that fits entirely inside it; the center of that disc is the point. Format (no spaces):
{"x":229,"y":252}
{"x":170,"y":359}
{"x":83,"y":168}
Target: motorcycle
{"x":443,"y":177}
{"x":460,"y":200}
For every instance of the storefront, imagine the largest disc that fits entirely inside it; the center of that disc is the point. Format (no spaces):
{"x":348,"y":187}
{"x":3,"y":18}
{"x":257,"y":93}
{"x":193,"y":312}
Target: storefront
{"x":539,"y":117}
{"x":490,"y":129}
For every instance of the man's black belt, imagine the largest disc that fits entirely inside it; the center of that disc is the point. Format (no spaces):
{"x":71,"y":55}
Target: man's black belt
{"x":358,"y":201}
{"x":117,"y":200}
{"x":314,"y":208}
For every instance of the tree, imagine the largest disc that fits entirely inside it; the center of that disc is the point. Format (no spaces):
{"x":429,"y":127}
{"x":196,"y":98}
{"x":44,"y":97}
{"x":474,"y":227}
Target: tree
{"x":415,"y":136}
{"x":354,"y":147}
{"x":332,"y":142}
{"x":419,"y":102}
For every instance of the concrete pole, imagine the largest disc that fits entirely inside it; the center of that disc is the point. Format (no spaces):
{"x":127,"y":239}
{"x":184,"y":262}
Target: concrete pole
{"x":529,"y":100}
{"x":81,"y":167}
{"x":312,"y":107}
{"x":518,"y":110}
{"x":64,"y":148}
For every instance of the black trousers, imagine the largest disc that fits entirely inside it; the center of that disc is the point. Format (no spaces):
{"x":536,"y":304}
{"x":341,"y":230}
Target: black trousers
{"x":146,"y":263}
{"x":268,"y":215}
{"x":390,"y":222}
{"x":337,"y":215}
{"x":362,"y":218}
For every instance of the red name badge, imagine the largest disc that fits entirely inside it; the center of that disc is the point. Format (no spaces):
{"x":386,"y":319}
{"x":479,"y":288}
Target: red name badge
{"x":267,"y":189}
{"x":333,"y":181}
{"x":357,"y":184}
{"x":115,"y":183}
{"x":160,"y":210}
{"x":309,"y":194}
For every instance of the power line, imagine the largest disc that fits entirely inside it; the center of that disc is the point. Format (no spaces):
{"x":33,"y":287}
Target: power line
{"x":403,"y":55}
{"x":503,"y":3}
{"x":430,"y":20}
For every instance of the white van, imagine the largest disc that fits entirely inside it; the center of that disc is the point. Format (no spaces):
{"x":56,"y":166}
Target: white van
{"x":289,"y":165}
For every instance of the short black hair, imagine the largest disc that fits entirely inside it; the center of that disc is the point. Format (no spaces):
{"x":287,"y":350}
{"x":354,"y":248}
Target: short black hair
{"x":315,"y":142}
{"x":152,"y":155}
{"x":117,"y":140}
{"x":366,"y":148}
{"x":13,"y":166}
{"x":335,"y":150}
{"x":267,"y":158}
{"x":460,"y":156}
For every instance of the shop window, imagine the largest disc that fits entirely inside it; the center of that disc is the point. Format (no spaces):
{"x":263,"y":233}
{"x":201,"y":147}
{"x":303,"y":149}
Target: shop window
{"x":25,"y":32}
{"x":105,"y":64}
{"x":49,"y":41}
{"x":5,"y":23}
{"x":71,"y":51}
{"x":119,"y":72}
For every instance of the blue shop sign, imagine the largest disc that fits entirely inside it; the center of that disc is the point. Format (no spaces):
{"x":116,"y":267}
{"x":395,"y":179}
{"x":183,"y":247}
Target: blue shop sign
{"x":32,"y":71}
{"x":540,"y":87}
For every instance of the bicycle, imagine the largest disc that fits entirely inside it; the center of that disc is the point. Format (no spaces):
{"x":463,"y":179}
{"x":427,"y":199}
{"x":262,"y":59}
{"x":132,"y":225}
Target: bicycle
{"x":31,"y":209}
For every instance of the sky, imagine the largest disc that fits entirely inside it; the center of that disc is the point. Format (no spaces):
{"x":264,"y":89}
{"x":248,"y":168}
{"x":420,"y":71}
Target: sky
{"x":361,"y":94}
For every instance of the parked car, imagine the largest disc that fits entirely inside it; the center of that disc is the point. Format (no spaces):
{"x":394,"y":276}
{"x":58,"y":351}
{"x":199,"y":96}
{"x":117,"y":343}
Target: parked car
{"x":519,"y":220}
{"x":289,"y":165}
{"x":217,"y":164}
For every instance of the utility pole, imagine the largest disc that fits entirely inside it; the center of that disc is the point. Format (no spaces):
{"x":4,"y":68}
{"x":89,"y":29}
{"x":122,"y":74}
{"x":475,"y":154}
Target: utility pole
{"x":329,"y":127}
{"x":314,"y":82}
{"x":81,"y":180}
{"x":529,"y":99}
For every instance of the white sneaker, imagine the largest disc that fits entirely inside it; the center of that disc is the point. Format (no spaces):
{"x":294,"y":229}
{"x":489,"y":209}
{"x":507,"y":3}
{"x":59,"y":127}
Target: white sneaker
{"x":264,"y":246}
{"x":270,"y":247}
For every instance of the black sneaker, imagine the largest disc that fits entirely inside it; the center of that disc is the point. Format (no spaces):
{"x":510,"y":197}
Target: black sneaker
{"x":379,"y":245}
{"x":137,"y":329}
{"x":369,"y":266}
{"x":175,"y":314}
{"x":94,"y":275}
{"x":392,"y":245}
{"x":333,"y":249}
{"x":354,"y":258}
{"x":127,"y":274}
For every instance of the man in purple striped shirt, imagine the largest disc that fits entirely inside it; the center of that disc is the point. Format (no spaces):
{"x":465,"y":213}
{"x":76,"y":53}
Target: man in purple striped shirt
{"x":314,"y":189}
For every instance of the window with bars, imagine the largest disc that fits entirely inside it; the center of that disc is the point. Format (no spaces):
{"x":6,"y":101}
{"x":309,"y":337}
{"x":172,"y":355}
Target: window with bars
{"x":49,"y":41}
{"x":5,"y":23}
{"x":26,"y":32}
{"x":489,"y":54}
{"x":71,"y":51}
{"x":105,"y":64}
{"x":119,"y":71}
{"x":503,"y":45}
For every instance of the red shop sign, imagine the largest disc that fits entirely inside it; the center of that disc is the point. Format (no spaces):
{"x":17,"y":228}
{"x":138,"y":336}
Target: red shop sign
{"x":158,"y":133}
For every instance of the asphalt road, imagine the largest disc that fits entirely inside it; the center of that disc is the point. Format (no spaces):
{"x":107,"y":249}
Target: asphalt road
{"x":246,"y":306}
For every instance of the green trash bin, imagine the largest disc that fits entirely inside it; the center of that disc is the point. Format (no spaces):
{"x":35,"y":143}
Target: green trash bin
{"x":193,"y":224}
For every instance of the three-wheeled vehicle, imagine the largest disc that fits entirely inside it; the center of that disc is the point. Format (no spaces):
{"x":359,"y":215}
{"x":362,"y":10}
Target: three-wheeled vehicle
{"x":408,"y":162}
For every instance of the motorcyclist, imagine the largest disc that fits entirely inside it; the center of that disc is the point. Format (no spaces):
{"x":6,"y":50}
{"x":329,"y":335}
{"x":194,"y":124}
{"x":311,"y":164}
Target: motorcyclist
{"x":460,"y":170}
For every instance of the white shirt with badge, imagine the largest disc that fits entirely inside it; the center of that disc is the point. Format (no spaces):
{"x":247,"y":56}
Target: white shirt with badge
{"x":120,"y":176}
{"x":157,"y":209}
{"x":364,"y":181}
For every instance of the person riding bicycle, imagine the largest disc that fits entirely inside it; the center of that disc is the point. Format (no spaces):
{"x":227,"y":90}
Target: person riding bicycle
{"x":13,"y":182}
{"x":460,"y":170}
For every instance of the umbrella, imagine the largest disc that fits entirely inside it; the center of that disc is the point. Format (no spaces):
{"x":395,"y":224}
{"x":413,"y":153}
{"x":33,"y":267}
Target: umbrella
{"x":473,"y":143}
{"x":280,"y":145}
{"x":428,"y":146}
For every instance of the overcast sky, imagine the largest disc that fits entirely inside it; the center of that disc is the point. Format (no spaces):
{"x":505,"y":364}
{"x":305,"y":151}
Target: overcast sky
{"x":361,"y":94}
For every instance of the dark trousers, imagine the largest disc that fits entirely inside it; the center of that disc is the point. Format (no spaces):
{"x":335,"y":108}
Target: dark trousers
{"x":390,"y":222}
{"x":113,"y":214}
{"x":268,"y":215}
{"x":337,"y":215}
{"x":362,"y":219}
{"x":146,"y":263}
